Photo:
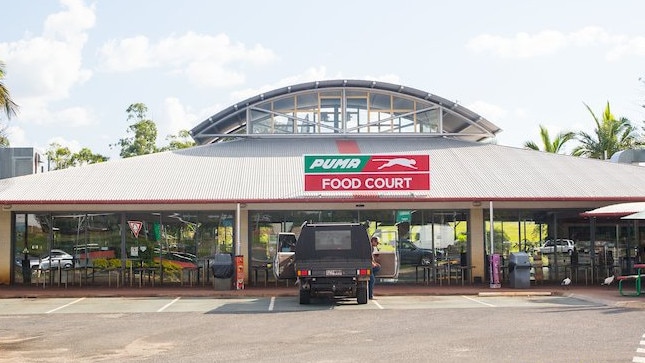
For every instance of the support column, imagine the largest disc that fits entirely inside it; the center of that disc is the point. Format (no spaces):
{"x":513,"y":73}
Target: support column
{"x":5,"y":248}
{"x":476,"y":245}
{"x":243,"y":234}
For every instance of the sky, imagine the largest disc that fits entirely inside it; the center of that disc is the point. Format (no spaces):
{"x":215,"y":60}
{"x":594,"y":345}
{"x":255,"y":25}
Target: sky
{"x":75,"y":66}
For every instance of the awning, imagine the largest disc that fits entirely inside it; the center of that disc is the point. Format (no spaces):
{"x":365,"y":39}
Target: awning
{"x":617,"y":210}
{"x":639,"y":215}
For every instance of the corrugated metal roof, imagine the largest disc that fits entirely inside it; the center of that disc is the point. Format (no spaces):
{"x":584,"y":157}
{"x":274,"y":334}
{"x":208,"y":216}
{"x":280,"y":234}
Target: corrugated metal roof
{"x":272,"y":170}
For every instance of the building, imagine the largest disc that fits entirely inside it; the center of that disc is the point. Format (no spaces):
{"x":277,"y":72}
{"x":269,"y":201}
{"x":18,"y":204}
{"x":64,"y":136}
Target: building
{"x":17,"y":161}
{"x":402,"y":161}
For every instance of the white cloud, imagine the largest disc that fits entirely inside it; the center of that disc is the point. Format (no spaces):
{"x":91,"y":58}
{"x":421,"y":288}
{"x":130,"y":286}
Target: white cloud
{"x":634,"y":46}
{"x":17,"y":136}
{"x":74,"y":116}
{"x":73,"y":145}
{"x":176,"y":117}
{"x":46,"y":67}
{"x":591,"y":35}
{"x":487,"y":110}
{"x":522,"y":45}
{"x":126,"y":55}
{"x":37,"y":111}
{"x":309,"y":75}
{"x":548,"y":42}
{"x":68,"y":26}
{"x":206,"y":60}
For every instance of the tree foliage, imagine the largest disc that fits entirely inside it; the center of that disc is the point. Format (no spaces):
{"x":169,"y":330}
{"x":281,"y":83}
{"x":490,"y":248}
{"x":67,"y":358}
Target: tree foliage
{"x":144,"y":133}
{"x":551,"y":146}
{"x":610,"y":136}
{"x":182,"y":140}
{"x":62,"y":157}
{"x":10,"y":108}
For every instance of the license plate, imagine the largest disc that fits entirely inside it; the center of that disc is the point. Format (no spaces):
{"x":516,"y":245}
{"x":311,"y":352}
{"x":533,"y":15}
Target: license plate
{"x":333,"y":272}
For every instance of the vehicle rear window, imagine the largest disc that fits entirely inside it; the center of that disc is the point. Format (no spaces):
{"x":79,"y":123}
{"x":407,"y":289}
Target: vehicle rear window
{"x":333,"y":240}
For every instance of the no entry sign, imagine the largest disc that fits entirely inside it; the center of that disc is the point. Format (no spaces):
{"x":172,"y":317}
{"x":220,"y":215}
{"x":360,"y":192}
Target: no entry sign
{"x":367,"y":172}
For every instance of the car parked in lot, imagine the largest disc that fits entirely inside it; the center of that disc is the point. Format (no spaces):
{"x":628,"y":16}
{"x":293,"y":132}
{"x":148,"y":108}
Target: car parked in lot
{"x":561,"y":245}
{"x":57,"y":258}
{"x":411,"y":254}
{"x":34,"y":261}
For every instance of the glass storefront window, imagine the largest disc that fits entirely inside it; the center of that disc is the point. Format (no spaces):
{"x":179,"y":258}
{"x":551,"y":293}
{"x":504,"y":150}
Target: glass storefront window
{"x":423,"y":238}
{"x":97,"y":248}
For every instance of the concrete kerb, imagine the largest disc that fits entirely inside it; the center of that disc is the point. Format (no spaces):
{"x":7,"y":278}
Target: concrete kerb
{"x":516,"y":293}
{"x":606,"y":297}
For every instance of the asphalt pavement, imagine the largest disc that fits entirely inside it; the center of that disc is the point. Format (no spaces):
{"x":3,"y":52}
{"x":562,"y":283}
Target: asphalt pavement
{"x":606,"y":295}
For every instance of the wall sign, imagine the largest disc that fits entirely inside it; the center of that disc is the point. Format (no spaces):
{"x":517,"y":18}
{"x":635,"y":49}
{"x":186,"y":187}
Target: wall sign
{"x":366,"y":172}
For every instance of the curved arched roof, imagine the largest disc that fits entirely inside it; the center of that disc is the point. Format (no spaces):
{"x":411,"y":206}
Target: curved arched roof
{"x":336,"y":107}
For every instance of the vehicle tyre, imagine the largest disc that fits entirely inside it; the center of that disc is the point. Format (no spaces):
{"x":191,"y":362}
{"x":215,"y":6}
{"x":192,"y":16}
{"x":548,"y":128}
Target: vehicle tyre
{"x":426,"y":260}
{"x":305,"y":297}
{"x":361,"y":294}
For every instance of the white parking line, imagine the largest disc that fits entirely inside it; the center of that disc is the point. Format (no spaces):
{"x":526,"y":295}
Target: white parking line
{"x":272,"y":303}
{"x":64,"y":306}
{"x":377,"y":304}
{"x":477,"y":301}
{"x":167,"y":305}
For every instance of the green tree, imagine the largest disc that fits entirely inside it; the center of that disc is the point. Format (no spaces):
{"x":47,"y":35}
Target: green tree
{"x":85,"y":156}
{"x":144,"y":132}
{"x":63,"y":158}
{"x":60,"y":156}
{"x":182,"y":140}
{"x":610,"y":136}
{"x":551,"y":146}
{"x":4,"y":140}
{"x":10,"y":108}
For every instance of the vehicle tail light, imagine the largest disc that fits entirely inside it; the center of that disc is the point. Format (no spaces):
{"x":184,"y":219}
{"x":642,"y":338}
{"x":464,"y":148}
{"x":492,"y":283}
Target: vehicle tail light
{"x":363,"y":271}
{"x":304,"y":272}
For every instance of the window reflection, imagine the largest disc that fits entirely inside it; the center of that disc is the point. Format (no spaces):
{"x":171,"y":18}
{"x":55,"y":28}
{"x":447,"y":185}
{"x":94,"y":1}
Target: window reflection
{"x":86,"y":248}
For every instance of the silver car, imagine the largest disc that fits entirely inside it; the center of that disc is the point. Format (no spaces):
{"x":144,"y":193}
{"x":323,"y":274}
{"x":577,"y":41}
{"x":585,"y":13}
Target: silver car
{"x":562,"y":245}
{"x":56,"y":259}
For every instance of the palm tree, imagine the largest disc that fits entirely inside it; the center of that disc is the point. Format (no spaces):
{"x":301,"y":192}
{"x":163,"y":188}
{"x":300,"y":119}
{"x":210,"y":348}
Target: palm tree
{"x":10,"y":107}
{"x":551,"y":146}
{"x":610,"y":136}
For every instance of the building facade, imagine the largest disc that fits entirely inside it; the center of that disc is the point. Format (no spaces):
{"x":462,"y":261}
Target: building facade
{"x":416,"y":169}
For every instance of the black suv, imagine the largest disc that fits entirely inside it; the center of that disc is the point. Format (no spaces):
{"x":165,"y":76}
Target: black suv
{"x":333,"y":259}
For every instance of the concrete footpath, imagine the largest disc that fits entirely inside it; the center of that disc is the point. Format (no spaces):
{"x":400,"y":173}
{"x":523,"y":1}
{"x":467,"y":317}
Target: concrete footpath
{"x":606,"y":295}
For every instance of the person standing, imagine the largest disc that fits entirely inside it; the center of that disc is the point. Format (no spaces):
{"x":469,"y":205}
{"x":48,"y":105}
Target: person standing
{"x":376,"y":266}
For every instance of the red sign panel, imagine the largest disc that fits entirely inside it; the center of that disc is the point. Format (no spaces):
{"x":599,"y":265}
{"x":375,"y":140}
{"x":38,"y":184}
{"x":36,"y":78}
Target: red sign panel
{"x":367,"y":172}
{"x":379,"y":182}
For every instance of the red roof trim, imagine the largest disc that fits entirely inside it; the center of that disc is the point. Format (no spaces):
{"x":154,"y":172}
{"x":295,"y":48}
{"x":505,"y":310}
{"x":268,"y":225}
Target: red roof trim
{"x":358,"y":198}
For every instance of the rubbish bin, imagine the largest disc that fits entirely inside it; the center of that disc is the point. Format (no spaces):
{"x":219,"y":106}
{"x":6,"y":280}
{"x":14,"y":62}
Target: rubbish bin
{"x":222,"y":267}
{"x":519,"y":270}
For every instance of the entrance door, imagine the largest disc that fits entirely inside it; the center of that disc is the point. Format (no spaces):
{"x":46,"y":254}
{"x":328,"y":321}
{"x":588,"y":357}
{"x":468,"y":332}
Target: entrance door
{"x":388,"y":255}
{"x":283,"y":264}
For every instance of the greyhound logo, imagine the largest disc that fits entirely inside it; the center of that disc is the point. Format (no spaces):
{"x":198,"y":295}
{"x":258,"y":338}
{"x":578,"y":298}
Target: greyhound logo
{"x":406,"y":163}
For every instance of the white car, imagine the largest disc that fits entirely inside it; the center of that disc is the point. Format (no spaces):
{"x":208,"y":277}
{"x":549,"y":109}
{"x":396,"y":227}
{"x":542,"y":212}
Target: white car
{"x":55,"y":259}
{"x":563,"y":246}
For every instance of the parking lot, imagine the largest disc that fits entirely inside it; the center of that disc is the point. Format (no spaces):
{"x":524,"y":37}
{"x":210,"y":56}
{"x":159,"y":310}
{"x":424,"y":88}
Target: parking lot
{"x":247,"y":305}
{"x":408,"y":328}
